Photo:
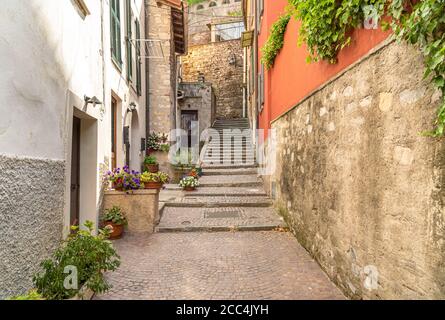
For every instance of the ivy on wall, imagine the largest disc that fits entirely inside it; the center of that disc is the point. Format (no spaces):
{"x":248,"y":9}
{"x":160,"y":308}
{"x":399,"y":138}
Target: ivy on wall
{"x":275,"y":41}
{"x":326,"y":27}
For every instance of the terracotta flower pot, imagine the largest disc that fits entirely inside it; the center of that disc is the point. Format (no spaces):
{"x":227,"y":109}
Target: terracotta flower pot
{"x":150,"y":151}
{"x":152,"y":185}
{"x":118,"y":230}
{"x":152,"y":168}
{"x":189,"y":188}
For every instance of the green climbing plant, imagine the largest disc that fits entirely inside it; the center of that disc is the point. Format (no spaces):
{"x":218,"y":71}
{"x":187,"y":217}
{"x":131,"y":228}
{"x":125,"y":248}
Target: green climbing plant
{"x":423,"y":25}
{"x":275,"y":41}
{"x":326,"y":27}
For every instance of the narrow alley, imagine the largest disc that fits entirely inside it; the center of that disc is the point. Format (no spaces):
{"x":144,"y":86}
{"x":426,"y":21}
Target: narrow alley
{"x":224,"y":241}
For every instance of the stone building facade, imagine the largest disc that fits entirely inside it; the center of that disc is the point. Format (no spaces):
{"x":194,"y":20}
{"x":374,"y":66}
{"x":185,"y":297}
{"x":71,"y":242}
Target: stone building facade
{"x":163,"y":68}
{"x":215,"y":53}
{"x":221,"y":64}
{"x":360,"y":187}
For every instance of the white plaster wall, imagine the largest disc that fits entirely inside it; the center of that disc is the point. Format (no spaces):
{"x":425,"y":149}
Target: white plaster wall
{"x":52,"y":57}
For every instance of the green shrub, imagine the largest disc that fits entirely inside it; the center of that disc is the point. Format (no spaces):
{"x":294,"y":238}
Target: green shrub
{"x":91,"y":255}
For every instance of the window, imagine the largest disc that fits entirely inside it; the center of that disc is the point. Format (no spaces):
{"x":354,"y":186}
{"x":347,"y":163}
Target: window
{"x":138,"y":59}
{"x":226,"y":2}
{"x":200,"y":7}
{"x":212,"y":4}
{"x":128,"y":42}
{"x":228,"y":31}
{"x":116,"y":53}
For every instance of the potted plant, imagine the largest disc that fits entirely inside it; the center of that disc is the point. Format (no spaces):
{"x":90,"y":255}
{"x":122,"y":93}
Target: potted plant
{"x":151,"y":164}
{"x":154,"y":180}
{"x":115,"y":218}
{"x":124,"y":179}
{"x":153,"y":144}
{"x":84,"y":253}
{"x":189,"y":183}
{"x":194,"y":173}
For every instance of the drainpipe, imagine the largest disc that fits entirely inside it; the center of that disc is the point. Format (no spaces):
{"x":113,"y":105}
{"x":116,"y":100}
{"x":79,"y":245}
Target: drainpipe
{"x":147,"y":72}
{"x":245,"y":82}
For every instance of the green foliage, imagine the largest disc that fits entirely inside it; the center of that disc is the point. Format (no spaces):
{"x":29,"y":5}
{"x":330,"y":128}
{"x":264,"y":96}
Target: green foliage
{"x":31,"y":295}
{"x":326,"y":27}
{"x":161,"y":177}
{"x":158,"y":142}
{"x":423,"y":25}
{"x":91,"y":255}
{"x":150,"y":160}
{"x":326,"y":24}
{"x":275,"y":41}
{"x":115,"y":215}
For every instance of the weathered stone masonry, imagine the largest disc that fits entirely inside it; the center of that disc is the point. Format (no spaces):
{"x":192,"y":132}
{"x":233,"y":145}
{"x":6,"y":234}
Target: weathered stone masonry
{"x":31,"y":218}
{"x":212,"y":60}
{"x":360,"y":187}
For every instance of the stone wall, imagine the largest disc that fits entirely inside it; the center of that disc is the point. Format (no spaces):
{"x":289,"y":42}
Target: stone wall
{"x":212,"y":60}
{"x":31,"y":218}
{"x":162,"y":74}
{"x":359,"y":185}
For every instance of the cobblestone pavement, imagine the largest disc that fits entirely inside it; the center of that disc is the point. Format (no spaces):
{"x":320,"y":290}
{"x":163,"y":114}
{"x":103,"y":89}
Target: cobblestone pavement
{"x":220,"y":218}
{"x":186,"y":261}
{"x":210,"y":201}
{"x":217,"y":266}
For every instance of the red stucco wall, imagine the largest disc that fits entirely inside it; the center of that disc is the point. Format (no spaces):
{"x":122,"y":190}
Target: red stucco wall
{"x":291,"y":78}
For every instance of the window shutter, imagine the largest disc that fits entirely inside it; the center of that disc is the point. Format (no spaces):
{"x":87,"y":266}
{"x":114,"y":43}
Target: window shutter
{"x":115,"y":27}
{"x":129,"y":46}
{"x":138,"y":59}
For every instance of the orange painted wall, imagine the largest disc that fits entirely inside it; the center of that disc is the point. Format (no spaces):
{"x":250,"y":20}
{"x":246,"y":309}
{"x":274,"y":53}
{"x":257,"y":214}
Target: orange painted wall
{"x":292,"y":79}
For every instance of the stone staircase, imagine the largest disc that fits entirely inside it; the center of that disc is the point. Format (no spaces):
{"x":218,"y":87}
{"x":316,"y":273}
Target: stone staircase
{"x":230,"y":197}
{"x":231,"y":146}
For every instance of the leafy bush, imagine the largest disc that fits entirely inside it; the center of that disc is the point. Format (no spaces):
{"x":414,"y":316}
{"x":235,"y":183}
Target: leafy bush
{"x":115,"y":215}
{"x":91,"y":255}
{"x":275,"y":41}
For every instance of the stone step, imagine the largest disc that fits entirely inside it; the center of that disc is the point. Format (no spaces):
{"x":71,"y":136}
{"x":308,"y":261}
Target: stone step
{"x":229,"y":172}
{"x":219,"y":219}
{"x":230,"y":191}
{"x":232,"y":165}
{"x":219,"y":202}
{"x":228,"y":164}
{"x":207,"y":165}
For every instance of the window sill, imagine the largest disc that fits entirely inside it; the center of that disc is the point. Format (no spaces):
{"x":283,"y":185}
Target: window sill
{"x":117,"y":65}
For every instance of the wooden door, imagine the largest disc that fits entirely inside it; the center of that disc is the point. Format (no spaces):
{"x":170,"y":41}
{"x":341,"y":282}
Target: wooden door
{"x":75,"y":173}
{"x":187,"y":117}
